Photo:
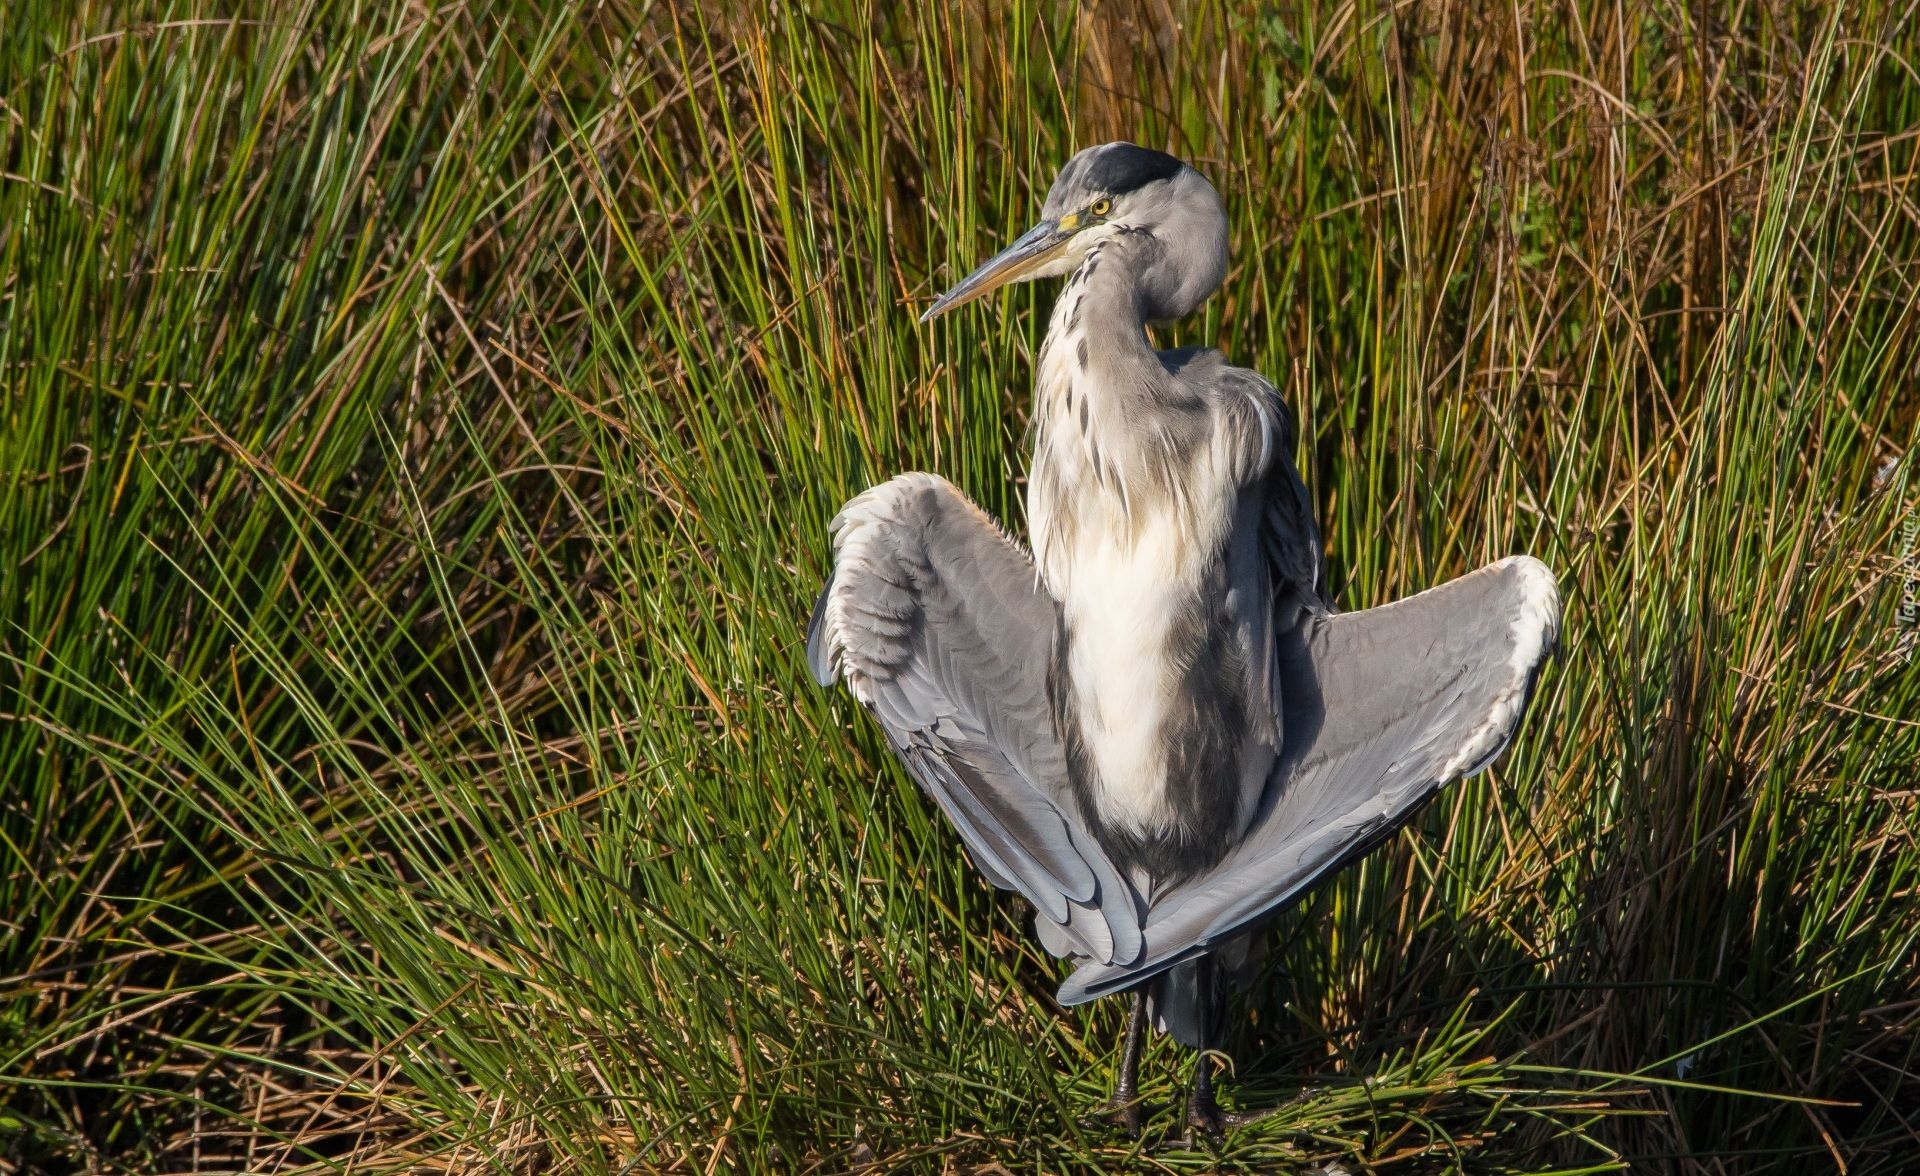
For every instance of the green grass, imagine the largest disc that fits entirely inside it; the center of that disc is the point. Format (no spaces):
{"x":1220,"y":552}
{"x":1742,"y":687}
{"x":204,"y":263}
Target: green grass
{"x":421,"y":424}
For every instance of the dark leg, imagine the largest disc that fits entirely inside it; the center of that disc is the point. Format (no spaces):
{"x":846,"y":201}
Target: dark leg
{"x":1125,"y":1103}
{"x":1203,"y":1113}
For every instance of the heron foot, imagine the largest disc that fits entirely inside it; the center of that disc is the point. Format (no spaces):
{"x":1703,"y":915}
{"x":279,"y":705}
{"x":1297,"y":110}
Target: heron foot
{"x":1205,"y":1116}
{"x":1125,"y":1108}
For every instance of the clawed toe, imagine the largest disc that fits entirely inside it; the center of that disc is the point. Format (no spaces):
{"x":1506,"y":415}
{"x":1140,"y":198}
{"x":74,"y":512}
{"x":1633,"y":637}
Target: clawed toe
{"x":1128,"y":1111}
{"x":1209,"y":1121}
{"x":1206,"y":1117}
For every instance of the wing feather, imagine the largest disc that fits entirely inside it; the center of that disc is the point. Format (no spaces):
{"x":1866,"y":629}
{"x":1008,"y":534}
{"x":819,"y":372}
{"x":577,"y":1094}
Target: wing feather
{"x":938,"y":624}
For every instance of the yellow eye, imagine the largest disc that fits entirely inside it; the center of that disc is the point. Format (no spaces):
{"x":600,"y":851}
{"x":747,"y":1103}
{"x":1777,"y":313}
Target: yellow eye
{"x":1100,"y":207}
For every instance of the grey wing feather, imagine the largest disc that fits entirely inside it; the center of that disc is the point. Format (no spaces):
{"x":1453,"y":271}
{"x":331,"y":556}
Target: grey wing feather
{"x":1382,"y":708}
{"x":938,"y":623}
{"x":1273,"y":558}
{"x":1264,"y":431}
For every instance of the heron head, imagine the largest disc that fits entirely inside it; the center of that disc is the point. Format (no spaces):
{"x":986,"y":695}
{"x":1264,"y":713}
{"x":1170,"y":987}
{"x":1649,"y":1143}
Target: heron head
{"x":1111,"y":191}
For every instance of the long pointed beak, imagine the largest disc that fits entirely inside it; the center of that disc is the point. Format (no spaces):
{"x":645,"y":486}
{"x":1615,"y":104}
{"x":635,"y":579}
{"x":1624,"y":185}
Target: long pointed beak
{"x":1035,"y":248}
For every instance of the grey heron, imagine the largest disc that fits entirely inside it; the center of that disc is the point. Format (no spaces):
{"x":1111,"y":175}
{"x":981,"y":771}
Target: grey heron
{"x":1155,"y":727}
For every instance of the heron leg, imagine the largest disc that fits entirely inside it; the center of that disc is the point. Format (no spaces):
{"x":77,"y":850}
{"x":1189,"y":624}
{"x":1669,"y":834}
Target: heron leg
{"x":1203,"y":1113}
{"x":1125,"y":1104}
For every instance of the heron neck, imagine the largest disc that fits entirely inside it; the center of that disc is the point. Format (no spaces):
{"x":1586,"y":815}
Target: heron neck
{"x":1098,"y":334}
{"x":1099,"y":384}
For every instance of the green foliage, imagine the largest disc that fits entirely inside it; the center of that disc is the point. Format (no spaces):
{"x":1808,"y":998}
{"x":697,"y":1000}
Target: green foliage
{"x":421,"y":428}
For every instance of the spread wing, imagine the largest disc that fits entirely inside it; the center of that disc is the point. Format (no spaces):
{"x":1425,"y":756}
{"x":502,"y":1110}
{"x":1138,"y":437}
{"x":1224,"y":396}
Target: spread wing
{"x":939,"y":625}
{"x":1381,"y":708}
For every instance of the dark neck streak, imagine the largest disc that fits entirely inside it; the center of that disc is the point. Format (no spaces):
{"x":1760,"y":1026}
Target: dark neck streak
{"x":1100,"y":315}
{"x":1101,"y":373}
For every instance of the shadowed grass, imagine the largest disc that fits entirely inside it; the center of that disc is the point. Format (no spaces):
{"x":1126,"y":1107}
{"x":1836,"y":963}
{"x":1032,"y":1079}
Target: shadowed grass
{"x":421,"y":431}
